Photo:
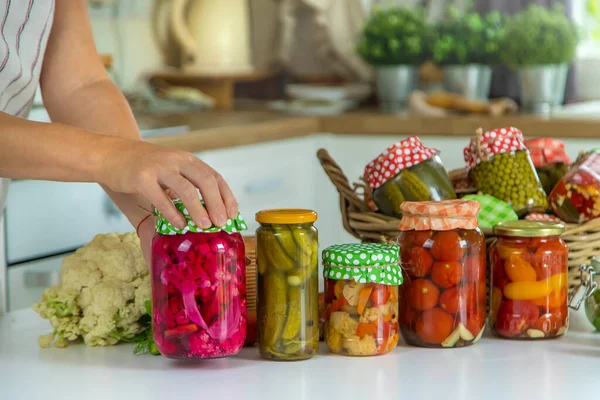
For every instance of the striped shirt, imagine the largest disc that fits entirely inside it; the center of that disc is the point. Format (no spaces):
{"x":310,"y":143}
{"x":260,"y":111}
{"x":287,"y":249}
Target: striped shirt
{"x":24,"y":30}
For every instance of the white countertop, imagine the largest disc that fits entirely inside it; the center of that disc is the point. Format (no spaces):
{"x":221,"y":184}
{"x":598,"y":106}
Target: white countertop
{"x":491,"y":369}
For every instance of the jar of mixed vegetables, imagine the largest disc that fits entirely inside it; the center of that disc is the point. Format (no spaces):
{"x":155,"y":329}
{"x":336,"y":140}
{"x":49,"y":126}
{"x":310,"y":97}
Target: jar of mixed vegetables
{"x":576,"y":197}
{"x":500,"y":165}
{"x":407,"y":170}
{"x":590,"y":280}
{"x":550,"y":160}
{"x":443,"y":299}
{"x":361,"y":298}
{"x":198,"y":288}
{"x":287,"y":257}
{"x":529,"y":280}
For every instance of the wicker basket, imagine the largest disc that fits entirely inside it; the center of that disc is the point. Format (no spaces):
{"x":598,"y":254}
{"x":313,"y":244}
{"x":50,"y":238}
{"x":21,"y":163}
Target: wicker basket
{"x":362,"y":222}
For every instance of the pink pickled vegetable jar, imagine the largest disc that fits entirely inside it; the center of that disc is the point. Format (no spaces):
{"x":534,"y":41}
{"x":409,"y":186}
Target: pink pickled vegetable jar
{"x":198,"y":289}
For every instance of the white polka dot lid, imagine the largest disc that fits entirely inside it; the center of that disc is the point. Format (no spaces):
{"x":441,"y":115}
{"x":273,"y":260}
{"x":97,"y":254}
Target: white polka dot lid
{"x":488,"y":144}
{"x":400,"y":155}
{"x":372,"y":262}
{"x":164,"y":227}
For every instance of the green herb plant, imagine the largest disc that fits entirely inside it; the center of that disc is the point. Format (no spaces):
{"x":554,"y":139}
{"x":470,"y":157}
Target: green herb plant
{"x":539,"y":36}
{"x":466,"y":37}
{"x":592,"y":8}
{"x":144,"y":343}
{"x":396,"y":36}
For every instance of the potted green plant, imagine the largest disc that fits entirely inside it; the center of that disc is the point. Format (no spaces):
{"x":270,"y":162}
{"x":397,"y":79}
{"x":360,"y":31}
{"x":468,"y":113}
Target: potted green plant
{"x":540,"y":43}
{"x":467,"y":45}
{"x":395,"y":41}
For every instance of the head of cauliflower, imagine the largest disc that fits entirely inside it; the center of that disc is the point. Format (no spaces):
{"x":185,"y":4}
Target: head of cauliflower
{"x":102,"y":294}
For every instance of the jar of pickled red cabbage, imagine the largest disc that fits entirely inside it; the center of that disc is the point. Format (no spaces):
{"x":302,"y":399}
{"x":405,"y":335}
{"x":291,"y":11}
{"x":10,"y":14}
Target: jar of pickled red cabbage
{"x":361,"y":298}
{"x":407,"y":171}
{"x":529,"y":280}
{"x":287,"y":257}
{"x":198,"y":288}
{"x":443,"y":252}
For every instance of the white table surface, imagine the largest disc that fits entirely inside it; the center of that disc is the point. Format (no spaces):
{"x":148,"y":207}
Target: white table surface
{"x":491,"y":369}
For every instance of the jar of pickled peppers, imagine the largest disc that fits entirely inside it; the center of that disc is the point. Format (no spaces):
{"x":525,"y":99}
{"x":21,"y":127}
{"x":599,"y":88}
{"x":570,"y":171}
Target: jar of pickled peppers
{"x":287,"y":257}
{"x":443,"y":298}
{"x":361,"y":298}
{"x":198,"y":288}
{"x":529,"y":280}
{"x":407,"y":170}
{"x":590,"y":280}
{"x":500,"y":165}
{"x":576,"y":197}
{"x":549,"y":159}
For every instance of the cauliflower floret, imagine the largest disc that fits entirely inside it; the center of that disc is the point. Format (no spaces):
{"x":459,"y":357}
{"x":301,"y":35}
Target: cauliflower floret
{"x":351,"y":292}
{"x":355,"y":346}
{"x":102,"y":294}
{"x":343,"y":323}
{"x":372,"y":314}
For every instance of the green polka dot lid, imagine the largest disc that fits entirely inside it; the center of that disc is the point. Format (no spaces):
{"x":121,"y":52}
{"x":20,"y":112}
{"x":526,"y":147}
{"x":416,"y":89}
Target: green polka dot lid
{"x":164,"y":227}
{"x":372,"y":262}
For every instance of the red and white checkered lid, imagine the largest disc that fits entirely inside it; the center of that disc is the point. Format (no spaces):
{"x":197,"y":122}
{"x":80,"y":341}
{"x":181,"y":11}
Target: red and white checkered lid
{"x":543,"y":217}
{"x":497,"y":141}
{"x":394,"y":159}
{"x":545,"y":151}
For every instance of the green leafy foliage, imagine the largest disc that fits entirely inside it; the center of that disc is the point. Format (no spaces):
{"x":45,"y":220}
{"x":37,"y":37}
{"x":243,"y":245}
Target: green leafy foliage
{"x":539,"y":36}
{"x":396,"y":36}
{"x":144,"y":343}
{"x":468,"y":38}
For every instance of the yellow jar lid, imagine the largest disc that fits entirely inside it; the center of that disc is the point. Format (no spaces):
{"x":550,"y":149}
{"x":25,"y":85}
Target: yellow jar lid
{"x":286,"y":216}
{"x":523,"y":228}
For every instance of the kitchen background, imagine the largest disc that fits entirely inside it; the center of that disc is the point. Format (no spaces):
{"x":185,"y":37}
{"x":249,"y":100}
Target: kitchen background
{"x":246,"y":55}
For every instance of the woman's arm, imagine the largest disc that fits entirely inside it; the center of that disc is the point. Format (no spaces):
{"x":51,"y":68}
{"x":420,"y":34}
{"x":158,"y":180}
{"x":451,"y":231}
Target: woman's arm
{"x":78,"y":92}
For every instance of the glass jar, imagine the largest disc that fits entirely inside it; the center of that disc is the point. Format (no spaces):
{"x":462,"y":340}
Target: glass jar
{"x":576,"y":197}
{"x":443,"y":252}
{"x":409,"y":171}
{"x":198,"y":288}
{"x":550,"y":160}
{"x":287,"y":256}
{"x":500,"y":165}
{"x":590,"y":280}
{"x":529,"y":280}
{"x":361,"y":298}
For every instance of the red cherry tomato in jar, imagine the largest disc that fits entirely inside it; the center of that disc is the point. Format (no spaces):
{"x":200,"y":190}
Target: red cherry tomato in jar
{"x":417,"y":261}
{"x":448,"y":246}
{"x":423,"y":294}
{"x":447,"y":273}
{"x":475,"y":266}
{"x":515,"y":316}
{"x":475,"y":241}
{"x":417,"y":239}
{"x":450,"y":300}
{"x":434,"y":326}
{"x":475,"y":321}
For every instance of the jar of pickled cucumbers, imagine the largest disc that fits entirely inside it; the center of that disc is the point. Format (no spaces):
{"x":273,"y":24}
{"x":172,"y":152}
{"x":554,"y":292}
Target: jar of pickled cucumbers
{"x":500,"y":165}
{"x":407,"y":170}
{"x":287,"y":257}
{"x":361,"y":298}
{"x":576,"y":197}
{"x":528,"y":294}
{"x":198,"y":288}
{"x":443,"y":299}
{"x":590,"y":280}
{"x":550,"y":160}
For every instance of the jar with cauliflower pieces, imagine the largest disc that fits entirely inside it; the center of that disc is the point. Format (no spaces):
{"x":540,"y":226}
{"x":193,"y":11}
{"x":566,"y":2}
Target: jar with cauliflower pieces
{"x":287,"y":256}
{"x":443,"y":301}
{"x":361,"y":298}
{"x":529,"y":280}
{"x":198,"y":288}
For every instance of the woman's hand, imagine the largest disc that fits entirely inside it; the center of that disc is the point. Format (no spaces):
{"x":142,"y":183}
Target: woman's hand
{"x":148,"y":170}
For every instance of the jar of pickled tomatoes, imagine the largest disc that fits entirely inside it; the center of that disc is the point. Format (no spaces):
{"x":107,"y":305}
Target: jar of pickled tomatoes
{"x":361,"y":298}
{"x":443,"y":252}
{"x":529,"y":280}
{"x":198,"y":288}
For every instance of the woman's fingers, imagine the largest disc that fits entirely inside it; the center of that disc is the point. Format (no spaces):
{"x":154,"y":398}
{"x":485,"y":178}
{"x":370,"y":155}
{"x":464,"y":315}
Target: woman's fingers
{"x":161,"y":201}
{"x":203,"y":177}
{"x":227,"y":196}
{"x":189,"y":195}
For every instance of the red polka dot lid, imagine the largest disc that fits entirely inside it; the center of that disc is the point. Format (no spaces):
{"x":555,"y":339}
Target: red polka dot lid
{"x":400,"y":155}
{"x":497,"y":141}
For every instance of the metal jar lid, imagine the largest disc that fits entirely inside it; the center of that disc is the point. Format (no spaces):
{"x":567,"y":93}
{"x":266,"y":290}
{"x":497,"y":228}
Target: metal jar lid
{"x":524,"y":228}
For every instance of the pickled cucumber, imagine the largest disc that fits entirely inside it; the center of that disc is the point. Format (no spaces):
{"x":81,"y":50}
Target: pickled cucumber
{"x":512,"y":178}
{"x":294,"y":318}
{"x":285,"y":239}
{"x":414,"y":187}
{"x":277,"y":257}
{"x":273,"y":312}
{"x":395,"y":198}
